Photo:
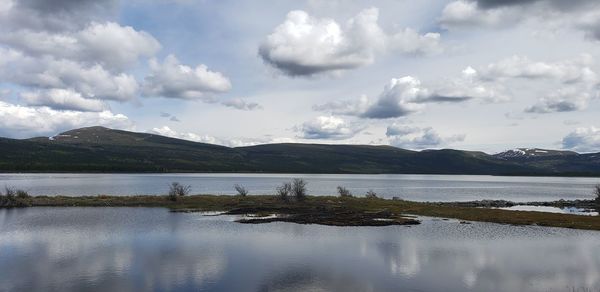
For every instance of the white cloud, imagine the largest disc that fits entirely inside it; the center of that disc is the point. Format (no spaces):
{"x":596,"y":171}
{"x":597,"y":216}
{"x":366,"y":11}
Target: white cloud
{"x":407,"y":95}
{"x":463,"y":13}
{"x":91,"y":82}
{"x":108,"y":44}
{"x":241,"y":104}
{"x":399,"y":98}
{"x":166,"y":131}
{"x":62,"y":99}
{"x":304,"y":45}
{"x":23,"y":122}
{"x":328,"y":127}
{"x":583,"y":140}
{"x":240,"y":142}
{"x":565,"y":100}
{"x":174,"y":80}
{"x":410,"y":137}
{"x":569,"y":71}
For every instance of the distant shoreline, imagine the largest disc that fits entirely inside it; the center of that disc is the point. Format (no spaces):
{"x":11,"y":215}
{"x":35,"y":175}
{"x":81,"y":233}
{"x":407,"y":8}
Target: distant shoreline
{"x":590,"y":175}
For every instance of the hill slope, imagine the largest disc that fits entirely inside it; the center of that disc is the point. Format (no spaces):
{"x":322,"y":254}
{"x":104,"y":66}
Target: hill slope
{"x":98,"y":149}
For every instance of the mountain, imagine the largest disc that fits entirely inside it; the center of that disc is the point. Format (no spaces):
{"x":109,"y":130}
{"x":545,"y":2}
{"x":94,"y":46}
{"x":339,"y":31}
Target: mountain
{"x":527,"y":153}
{"x":98,"y":149}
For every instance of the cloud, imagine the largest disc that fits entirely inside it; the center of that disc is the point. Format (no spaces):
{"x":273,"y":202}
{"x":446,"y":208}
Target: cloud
{"x":109,"y":44}
{"x":171,"y":117}
{"x":238,"y":103}
{"x":561,"y":4}
{"x":569,"y":71}
{"x":409,"y":137}
{"x":166,"y":131}
{"x":566,"y":100}
{"x":93,"y":82}
{"x":583,"y":140}
{"x":174,"y":80}
{"x":399,"y":98}
{"x":407,"y":95}
{"x":56,"y":15}
{"x":63,"y":99}
{"x":463,"y":13}
{"x":18,"y":121}
{"x":583,"y":15}
{"x":304,"y":45}
{"x":327,"y":127}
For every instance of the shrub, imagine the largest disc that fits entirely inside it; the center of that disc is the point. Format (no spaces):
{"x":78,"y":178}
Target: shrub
{"x":283,"y":191}
{"x":371,"y":195}
{"x":14,"y":198}
{"x":242,"y":191}
{"x":299,"y":189}
{"x":21,"y":194}
{"x":344,"y":192}
{"x":177,"y":190}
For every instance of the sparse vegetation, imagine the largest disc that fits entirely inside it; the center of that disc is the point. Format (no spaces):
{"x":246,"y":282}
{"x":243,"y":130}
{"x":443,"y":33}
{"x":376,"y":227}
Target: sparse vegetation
{"x":283,"y":191}
{"x":299,"y":189}
{"x":322,"y":209}
{"x":344,"y":192}
{"x":14,"y":198}
{"x":241,"y":190}
{"x":597,"y":194}
{"x":371,"y":195}
{"x":177,"y":190}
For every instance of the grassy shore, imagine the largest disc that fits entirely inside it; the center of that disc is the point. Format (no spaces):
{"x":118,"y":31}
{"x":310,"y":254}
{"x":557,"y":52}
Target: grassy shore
{"x":325,"y":210}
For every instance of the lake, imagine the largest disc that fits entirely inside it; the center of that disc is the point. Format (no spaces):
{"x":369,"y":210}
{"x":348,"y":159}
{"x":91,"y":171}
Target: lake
{"x":411,"y":187}
{"x":135,"y":249}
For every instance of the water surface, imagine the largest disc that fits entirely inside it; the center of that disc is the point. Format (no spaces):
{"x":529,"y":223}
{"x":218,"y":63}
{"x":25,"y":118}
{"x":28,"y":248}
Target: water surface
{"x":135,"y":249}
{"x":411,"y":187}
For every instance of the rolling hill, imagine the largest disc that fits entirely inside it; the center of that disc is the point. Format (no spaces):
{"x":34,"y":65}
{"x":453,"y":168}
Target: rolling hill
{"x":98,"y":149}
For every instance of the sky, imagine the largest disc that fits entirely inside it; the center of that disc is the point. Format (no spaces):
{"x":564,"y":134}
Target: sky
{"x":486,"y":75}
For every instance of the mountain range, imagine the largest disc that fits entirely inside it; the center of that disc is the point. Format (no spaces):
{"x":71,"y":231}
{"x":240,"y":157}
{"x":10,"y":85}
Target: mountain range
{"x":99,"y":149}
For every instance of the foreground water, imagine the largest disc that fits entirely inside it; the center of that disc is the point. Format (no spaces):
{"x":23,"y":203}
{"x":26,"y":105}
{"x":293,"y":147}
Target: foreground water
{"x":135,"y":249}
{"x":411,"y":187}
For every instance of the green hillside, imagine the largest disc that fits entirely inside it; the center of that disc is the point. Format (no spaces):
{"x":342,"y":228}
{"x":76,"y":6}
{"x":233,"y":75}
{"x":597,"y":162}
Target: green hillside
{"x":98,"y":149}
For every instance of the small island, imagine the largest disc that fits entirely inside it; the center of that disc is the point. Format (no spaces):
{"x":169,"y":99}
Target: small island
{"x":292,"y":204}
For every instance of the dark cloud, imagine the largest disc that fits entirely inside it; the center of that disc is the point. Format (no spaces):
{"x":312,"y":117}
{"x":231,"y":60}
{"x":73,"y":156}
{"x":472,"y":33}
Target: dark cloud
{"x":562,"y":4}
{"x":554,"y":106}
{"x":66,"y":6}
{"x":56,"y":15}
{"x":238,"y":103}
{"x":436,"y":98}
{"x":386,"y":110}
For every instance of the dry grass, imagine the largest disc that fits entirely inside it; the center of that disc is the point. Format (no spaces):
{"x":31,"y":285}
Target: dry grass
{"x":326,"y":205}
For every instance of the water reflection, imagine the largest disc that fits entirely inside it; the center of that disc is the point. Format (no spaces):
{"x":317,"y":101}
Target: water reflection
{"x":135,"y":249}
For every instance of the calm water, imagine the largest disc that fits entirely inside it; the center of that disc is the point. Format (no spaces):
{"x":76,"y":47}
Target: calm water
{"x":136,"y":249}
{"x":412,"y":187}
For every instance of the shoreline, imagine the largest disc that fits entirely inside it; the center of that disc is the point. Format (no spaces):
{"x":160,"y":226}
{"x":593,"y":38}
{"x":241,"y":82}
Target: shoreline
{"x":336,"y":211}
